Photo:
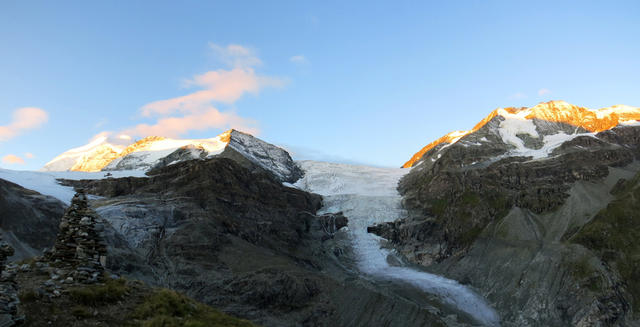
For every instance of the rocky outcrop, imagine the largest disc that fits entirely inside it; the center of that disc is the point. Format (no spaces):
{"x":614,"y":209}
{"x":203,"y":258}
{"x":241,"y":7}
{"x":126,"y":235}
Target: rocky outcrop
{"x":483,"y":212}
{"x":228,"y":233}
{"x":156,"y":152}
{"x":271,"y":158}
{"x":8,"y":289}
{"x":549,"y":118}
{"x":614,"y":237}
{"x":28,"y":219}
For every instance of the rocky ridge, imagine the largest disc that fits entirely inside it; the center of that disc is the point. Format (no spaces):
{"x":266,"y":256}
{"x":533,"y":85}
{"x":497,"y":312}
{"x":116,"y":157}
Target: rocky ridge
{"x":9,"y":300}
{"x":493,"y":211}
{"x":544,"y":119}
{"x":28,"y":220}
{"x":241,"y":241}
{"x":155,"y":152}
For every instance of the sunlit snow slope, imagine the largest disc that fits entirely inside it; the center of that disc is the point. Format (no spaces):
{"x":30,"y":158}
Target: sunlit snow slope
{"x":546,"y":122}
{"x":368,"y":196}
{"x":46,"y":182}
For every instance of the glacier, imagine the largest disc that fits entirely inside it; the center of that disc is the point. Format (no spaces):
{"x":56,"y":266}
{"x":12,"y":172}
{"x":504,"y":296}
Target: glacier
{"x":368,"y":196}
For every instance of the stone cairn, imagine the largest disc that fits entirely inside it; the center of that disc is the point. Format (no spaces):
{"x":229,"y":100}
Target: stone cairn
{"x":79,"y":251}
{"x":8,"y":289}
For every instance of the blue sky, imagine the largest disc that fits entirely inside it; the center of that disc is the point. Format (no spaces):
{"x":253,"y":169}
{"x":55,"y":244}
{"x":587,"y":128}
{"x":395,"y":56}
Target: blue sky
{"x":352,"y":81}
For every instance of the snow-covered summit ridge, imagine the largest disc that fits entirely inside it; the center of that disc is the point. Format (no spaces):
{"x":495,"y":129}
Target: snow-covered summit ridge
{"x":154,"y":151}
{"x":89,"y":157}
{"x":102,"y":154}
{"x":550,"y":123}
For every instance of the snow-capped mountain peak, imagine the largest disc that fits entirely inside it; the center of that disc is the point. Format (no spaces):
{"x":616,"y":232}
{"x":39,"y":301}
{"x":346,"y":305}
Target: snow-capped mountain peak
{"x":549,"y":124}
{"x":155,"y":151}
{"x":90,"y":157}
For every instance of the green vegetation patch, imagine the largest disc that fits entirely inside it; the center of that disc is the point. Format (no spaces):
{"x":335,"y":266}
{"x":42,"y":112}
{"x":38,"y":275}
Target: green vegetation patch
{"x":111,"y":291}
{"x":438,"y":206}
{"x":470,"y":198}
{"x":614,"y":234}
{"x":586,"y":274}
{"x":168,"y":308}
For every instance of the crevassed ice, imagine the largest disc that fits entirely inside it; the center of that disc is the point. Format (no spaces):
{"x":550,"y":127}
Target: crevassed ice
{"x":368,"y":196}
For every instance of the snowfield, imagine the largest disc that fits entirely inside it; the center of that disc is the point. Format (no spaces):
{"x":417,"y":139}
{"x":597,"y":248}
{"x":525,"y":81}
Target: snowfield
{"x":46,"y":182}
{"x":367,"y":196}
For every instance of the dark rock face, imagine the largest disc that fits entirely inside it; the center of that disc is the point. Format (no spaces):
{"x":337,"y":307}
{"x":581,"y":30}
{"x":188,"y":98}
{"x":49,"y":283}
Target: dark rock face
{"x":250,"y":205}
{"x":29,"y":220}
{"x":613,"y":235}
{"x":268,"y":156}
{"x":229,"y":233}
{"x":241,"y":147}
{"x":9,"y":300}
{"x":502,"y":224}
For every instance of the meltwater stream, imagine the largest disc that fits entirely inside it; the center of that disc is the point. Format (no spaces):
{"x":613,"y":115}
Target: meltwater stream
{"x":368,"y":196}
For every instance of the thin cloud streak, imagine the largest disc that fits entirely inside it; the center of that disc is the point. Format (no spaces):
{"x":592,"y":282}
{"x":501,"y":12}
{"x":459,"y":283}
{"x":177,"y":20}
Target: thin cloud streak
{"x":225,"y":86}
{"x":542,"y":92}
{"x":12,"y":159}
{"x":235,"y":56}
{"x":196,"y":111}
{"x":517,"y":96}
{"x":210,"y":118}
{"x":23,"y":119}
{"x":299,"y":59}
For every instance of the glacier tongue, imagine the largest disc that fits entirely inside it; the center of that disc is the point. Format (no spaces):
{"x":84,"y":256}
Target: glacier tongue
{"x":368,"y":196}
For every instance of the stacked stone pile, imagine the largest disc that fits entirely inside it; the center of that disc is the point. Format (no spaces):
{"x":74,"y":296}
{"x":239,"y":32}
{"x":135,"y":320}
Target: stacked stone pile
{"x":79,"y":251}
{"x":8,"y":289}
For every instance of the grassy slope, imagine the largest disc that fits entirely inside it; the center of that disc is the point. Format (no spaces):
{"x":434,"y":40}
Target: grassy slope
{"x":117,"y":303}
{"x":614,"y":234}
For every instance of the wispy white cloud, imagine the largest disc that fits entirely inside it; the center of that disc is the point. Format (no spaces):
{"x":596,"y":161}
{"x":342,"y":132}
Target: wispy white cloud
{"x":197,"y":121}
{"x":196,"y":110}
{"x":101,"y":123}
{"x":12,"y":159}
{"x":224,"y":86}
{"x":236,"y":56}
{"x":518,"y":96}
{"x":299,"y":59}
{"x":29,"y":155}
{"x":23,"y":119}
{"x":543,"y":91}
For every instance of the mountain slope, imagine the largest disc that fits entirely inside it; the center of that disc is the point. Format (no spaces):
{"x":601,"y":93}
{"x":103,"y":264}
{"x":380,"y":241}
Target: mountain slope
{"x":154,"y":152}
{"x":236,"y":238}
{"x":28,"y":219}
{"x":511,"y":208}
{"x":546,"y":125}
{"x":91,"y":157}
